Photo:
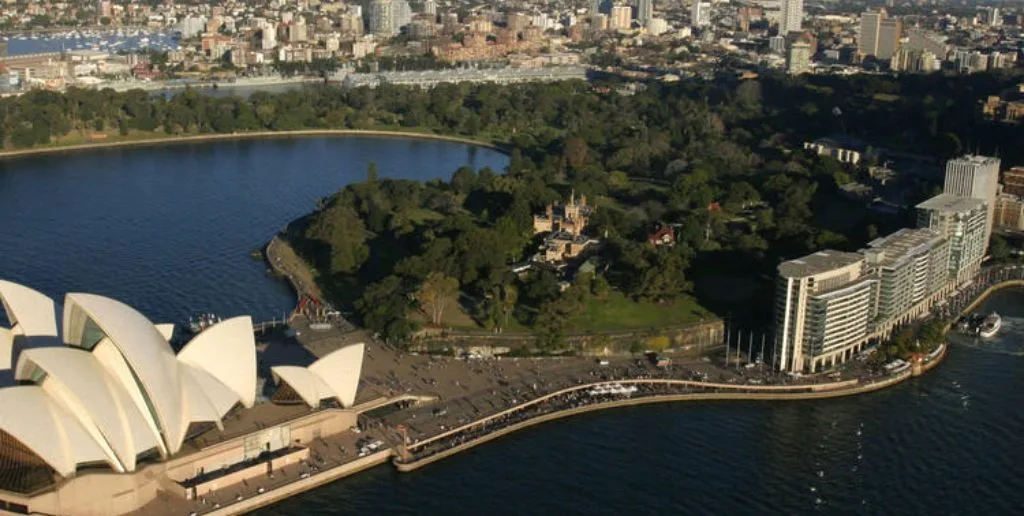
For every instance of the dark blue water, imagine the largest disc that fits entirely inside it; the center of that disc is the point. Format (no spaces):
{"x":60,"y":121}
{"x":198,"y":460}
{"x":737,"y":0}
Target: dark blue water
{"x":169,"y":230}
{"x":947,"y":443}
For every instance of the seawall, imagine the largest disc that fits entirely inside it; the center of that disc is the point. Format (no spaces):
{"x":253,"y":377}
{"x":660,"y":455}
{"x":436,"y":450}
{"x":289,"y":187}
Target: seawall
{"x":305,"y":484}
{"x":989,"y":291}
{"x":823,"y":392}
{"x":170,"y":140}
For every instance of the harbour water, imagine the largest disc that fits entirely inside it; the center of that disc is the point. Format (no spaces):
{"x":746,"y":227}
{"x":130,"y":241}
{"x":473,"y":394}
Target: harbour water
{"x":169,"y":230}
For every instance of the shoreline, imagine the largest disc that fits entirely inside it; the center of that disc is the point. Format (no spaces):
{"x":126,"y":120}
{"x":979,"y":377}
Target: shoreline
{"x":204,"y":138}
{"x":825,"y":393}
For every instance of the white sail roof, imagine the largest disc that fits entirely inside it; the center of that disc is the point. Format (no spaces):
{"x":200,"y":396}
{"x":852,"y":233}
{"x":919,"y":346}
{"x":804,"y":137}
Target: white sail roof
{"x":166,"y":329}
{"x":146,"y":352}
{"x":77,"y":380}
{"x":33,"y":313}
{"x":340,"y":370}
{"x":33,"y":418}
{"x":227,"y":351}
{"x":335,"y":375}
{"x":6,"y":348}
{"x":119,"y":390}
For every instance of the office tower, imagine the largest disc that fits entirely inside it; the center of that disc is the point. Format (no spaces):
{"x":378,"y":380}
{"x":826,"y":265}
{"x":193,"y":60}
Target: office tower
{"x":430,"y":7}
{"x":910,"y":265}
{"x":644,"y":11}
{"x":870,"y":25}
{"x":791,"y":16}
{"x":700,"y":14}
{"x":798,"y":60}
{"x":977,"y":177}
{"x":824,"y":306}
{"x":889,"y":33}
{"x":962,"y":221}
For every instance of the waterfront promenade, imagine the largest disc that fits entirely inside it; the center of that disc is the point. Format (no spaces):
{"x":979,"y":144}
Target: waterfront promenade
{"x":468,"y":402}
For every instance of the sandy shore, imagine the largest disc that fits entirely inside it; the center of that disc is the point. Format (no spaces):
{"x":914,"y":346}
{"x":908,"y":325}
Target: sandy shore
{"x":169,"y":140}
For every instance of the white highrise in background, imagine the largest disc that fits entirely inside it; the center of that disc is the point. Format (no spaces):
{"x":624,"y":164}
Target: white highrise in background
{"x":976,"y":177}
{"x":430,"y":7}
{"x":791,"y":16}
{"x":193,"y":26}
{"x":700,"y":14}
{"x":387,"y":17}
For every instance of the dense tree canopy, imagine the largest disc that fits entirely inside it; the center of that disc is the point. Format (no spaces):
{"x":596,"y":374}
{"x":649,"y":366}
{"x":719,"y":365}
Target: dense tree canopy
{"x":719,"y":161}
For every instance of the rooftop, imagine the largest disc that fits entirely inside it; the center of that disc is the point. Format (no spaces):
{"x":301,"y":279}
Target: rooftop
{"x":817,"y":263}
{"x":974,"y":159}
{"x":895,"y":248}
{"x":950,"y":203}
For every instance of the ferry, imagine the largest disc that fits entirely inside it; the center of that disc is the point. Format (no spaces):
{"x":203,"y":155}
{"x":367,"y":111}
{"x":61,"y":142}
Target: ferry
{"x":990,"y":326}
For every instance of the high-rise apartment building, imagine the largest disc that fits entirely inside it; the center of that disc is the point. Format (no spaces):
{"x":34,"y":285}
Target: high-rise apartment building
{"x":824,"y":306}
{"x":430,"y":7}
{"x":644,"y":11}
{"x":798,"y":60}
{"x":911,"y":265}
{"x":977,"y":177}
{"x":379,"y":17}
{"x":387,"y":17}
{"x":962,"y":221}
{"x":791,"y":16}
{"x":700,"y":13}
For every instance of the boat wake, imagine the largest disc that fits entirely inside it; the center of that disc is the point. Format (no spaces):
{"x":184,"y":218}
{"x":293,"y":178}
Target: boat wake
{"x":1009,"y":340}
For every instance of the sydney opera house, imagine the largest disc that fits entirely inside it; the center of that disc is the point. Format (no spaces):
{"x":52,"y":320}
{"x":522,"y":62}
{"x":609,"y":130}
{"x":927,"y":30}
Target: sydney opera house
{"x":100,"y":415}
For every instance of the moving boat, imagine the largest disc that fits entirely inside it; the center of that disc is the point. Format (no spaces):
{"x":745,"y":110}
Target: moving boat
{"x":990,"y":326}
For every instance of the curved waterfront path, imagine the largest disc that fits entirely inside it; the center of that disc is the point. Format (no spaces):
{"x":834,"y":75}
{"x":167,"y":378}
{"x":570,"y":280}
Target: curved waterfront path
{"x":582,"y":399}
{"x":579,"y":400}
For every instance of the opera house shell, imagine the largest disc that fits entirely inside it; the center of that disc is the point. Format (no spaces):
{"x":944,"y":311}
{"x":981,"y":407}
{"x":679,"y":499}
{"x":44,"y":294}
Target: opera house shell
{"x":105,"y":389}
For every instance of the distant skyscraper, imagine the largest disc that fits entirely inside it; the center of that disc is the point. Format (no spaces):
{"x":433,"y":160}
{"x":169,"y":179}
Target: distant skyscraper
{"x":791,"y":16}
{"x":620,"y":17}
{"x":798,"y":60}
{"x":976,"y":177}
{"x":644,"y":11}
{"x":700,"y":14}
{"x":889,"y":34}
{"x":386,"y":17}
{"x":430,"y":7}
{"x":867,"y":39}
{"x":379,"y":15}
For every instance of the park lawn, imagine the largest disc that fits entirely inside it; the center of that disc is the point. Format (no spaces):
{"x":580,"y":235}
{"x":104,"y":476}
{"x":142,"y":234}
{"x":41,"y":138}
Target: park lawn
{"x":617,"y":312}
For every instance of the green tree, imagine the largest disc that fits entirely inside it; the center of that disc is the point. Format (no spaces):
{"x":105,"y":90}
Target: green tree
{"x":434,"y":295}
